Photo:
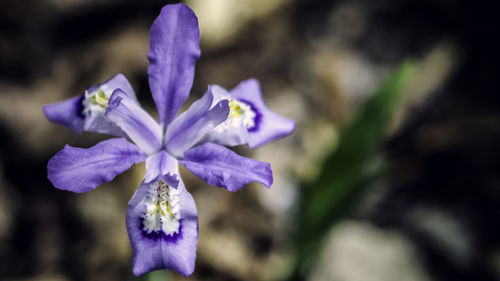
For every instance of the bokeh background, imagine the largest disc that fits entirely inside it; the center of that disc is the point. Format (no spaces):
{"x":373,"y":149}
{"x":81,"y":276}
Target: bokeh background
{"x":390,"y":174}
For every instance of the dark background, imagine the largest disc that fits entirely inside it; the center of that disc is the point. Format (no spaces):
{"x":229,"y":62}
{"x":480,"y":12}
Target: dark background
{"x":433,"y":215}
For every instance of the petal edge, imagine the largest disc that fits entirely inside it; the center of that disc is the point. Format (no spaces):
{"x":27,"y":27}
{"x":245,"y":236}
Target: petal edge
{"x":81,"y":170}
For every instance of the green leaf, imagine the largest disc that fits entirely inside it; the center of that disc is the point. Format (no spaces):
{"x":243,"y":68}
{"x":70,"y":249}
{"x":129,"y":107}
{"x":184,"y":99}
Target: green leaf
{"x":159,"y":275}
{"x":347,"y":170}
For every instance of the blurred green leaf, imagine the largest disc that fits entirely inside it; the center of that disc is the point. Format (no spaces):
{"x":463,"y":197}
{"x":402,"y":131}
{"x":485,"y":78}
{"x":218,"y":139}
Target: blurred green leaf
{"x":346,"y":171}
{"x":159,"y":275}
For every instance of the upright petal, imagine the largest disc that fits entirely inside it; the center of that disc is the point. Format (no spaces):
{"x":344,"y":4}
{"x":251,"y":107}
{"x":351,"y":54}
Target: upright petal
{"x":139,"y":126}
{"x":162,"y":225}
{"x":81,"y":170}
{"x":67,"y":113}
{"x":267,"y":126}
{"x":191,"y":126}
{"x":174,"y":49}
{"x":222,"y":167}
{"x":86,"y":112}
{"x":160,"y":165}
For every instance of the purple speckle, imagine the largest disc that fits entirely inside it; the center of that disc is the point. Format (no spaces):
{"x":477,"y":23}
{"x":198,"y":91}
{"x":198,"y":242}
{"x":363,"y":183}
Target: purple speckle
{"x":157,"y":235}
{"x":258,"y":116}
{"x":79,"y":107}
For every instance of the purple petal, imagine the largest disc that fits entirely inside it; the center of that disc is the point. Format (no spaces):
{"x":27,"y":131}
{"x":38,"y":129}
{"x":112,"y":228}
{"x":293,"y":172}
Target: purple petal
{"x":133,"y":120}
{"x":159,"y":165}
{"x":98,"y":123}
{"x":194,"y":124}
{"x":81,"y":170}
{"x":219,"y":93}
{"x":269,"y":126}
{"x":76,"y":114}
{"x":95,"y":121}
{"x":67,"y":113}
{"x":174,"y":49}
{"x":222,"y":167}
{"x":232,"y":131}
{"x":152,"y":250}
{"x":119,"y":81}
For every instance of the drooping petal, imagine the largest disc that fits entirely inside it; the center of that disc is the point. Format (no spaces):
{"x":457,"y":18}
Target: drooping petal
{"x":86,"y":112}
{"x":139,"y":126}
{"x":222,"y":167}
{"x":174,"y":49}
{"x":192,"y":125}
{"x":160,"y":164}
{"x":81,"y":170}
{"x":268,"y":126}
{"x":67,"y":113}
{"x":162,"y":240}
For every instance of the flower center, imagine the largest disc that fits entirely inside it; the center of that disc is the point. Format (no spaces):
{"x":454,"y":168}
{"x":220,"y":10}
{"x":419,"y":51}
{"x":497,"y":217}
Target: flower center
{"x":241,"y":113}
{"x":162,"y":211}
{"x":96,"y":101}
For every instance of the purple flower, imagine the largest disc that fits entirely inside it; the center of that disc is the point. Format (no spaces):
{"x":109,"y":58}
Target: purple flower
{"x":162,"y":220}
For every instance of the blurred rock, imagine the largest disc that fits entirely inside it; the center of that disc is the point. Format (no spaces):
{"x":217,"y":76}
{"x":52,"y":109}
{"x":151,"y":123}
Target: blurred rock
{"x":357,"y":251}
{"x":221,"y":20}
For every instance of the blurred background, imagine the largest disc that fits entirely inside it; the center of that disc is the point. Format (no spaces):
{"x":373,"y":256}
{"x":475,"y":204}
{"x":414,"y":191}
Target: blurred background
{"x":390,"y":174}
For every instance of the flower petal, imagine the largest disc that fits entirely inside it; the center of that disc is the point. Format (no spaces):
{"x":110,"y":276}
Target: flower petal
{"x":232,"y":131}
{"x":157,"y":250}
{"x":119,"y":81}
{"x":81,"y":170}
{"x":67,"y":113}
{"x":174,"y":49}
{"x":139,"y":126}
{"x":98,"y":123}
{"x":160,"y":164}
{"x":222,"y":167}
{"x":79,"y":114}
{"x":269,"y":126}
{"x":96,"y":101}
{"x":192,"y":125}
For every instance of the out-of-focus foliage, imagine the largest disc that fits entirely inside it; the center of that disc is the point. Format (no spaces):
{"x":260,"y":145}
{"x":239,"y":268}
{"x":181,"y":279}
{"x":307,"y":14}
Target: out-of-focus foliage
{"x":346,"y":171}
{"x":161,"y":275}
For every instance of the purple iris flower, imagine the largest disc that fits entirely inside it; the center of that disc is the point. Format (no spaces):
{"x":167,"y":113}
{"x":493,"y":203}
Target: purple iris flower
{"x":162,"y":220}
